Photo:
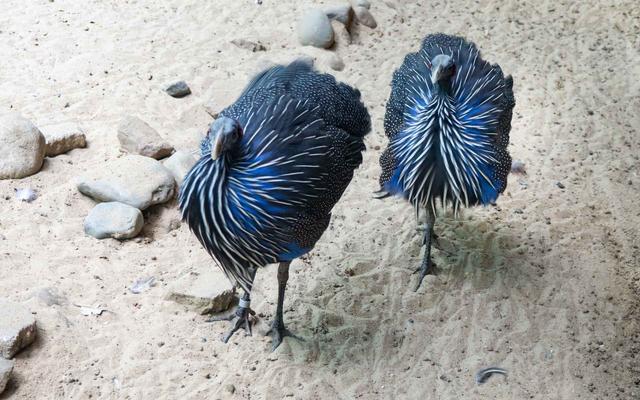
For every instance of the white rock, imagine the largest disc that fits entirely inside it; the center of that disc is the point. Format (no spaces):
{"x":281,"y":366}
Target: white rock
{"x":137,"y":137}
{"x":342,"y":13}
{"x":61,"y":138}
{"x":6,"y":367}
{"x":113,"y":220}
{"x":361,"y":3}
{"x":179,"y":164}
{"x":22,"y":147}
{"x":134,"y":180}
{"x":208,"y":291}
{"x":335,"y":62}
{"x":314,"y":29}
{"x":364,"y":17}
{"x":17,"y":328}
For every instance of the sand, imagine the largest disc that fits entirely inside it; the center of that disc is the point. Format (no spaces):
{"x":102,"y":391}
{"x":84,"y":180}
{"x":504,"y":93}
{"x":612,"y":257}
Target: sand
{"x":546,"y":284}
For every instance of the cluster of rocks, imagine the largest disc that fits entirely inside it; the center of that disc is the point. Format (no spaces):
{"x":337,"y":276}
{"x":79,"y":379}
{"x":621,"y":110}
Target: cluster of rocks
{"x":17,"y":331}
{"x":129,"y":185}
{"x":318,"y":27}
{"x":24,"y":146}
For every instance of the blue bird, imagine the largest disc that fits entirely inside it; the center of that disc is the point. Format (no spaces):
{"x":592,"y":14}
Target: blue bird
{"x":448,"y":121}
{"x":273,"y":165}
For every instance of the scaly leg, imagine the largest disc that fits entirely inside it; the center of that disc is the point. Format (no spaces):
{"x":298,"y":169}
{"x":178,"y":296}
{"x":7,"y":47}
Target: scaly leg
{"x":243,"y":315}
{"x":278,"y":330}
{"x":426,"y":241}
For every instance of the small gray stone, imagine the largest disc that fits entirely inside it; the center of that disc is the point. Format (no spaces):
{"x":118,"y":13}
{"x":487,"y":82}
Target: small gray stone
{"x":314,"y":29}
{"x":342,"y":13}
{"x":137,"y":137}
{"x":335,"y":62}
{"x":61,"y":138}
{"x":229,"y":388}
{"x":249,"y":45}
{"x":113,"y":220}
{"x":361,"y":3}
{"x":180,"y":163}
{"x":178,"y":89}
{"x":17,"y":328}
{"x":22,"y":147}
{"x":207,"y":292}
{"x":134,"y":180}
{"x":50,"y":296}
{"x":6,"y":367}
{"x":364,"y":17}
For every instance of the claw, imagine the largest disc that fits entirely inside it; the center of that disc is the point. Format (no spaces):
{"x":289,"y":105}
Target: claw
{"x":245,"y":317}
{"x":278,"y":333}
{"x":381,"y":194}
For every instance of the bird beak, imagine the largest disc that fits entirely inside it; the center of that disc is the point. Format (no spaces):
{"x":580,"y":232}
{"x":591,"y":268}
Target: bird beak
{"x":436,"y":72}
{"x":217,"y":148}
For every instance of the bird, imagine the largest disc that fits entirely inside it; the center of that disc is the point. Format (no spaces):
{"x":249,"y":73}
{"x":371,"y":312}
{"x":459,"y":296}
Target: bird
{"x":447,"y":120}
{"x":273,"y":165}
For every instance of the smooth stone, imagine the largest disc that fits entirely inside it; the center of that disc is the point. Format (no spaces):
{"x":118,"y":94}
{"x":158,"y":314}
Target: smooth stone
{"x":180,"y":163}
{"x":6,"y":368}
{"x":363,"y":16}
{"x":341,"y":13}
{"x":137,"y":137}
{"x":249,"y":45}
{"x":113,"y":220}
{"x":314,"y":29}
{"x":207,"y":292}
{"x":361,"y":3}
{"x":335,"y":62}
{"x":61,"y":138}
{"x":17,"y":328}
{"x":134,"y":180}
{"x":22,"y":147}
{"x":178,"y":89}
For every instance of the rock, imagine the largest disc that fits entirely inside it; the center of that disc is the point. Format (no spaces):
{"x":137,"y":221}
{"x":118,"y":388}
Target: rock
{"x":179,"y":164}
{"x":26,"y":194}
{"x":113,"y":220}
{"x":61,"y":138}
{"x":335,"y":62}
{"x":314,"y":29}
{"x":22,"y":147}
{"x":249,"y":45}
{"x":137,"y":137}
{"x":134,"y":180}
{"x":50,"y":296}
{"x":6,"y":367}
{"x":229,"y":388}
{"x":342,"y":13}
{"x":17,"y":328}
{"x":207,"y":292}
{"x":178,"y":90}
{"x":364,"y":17}
{"x":518,"y":167}
{"x":361,"y":3}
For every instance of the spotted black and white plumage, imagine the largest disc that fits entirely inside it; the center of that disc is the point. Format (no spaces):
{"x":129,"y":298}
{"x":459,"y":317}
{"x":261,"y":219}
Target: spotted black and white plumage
{"x":448,"y":145}
{"x":268,"y":199}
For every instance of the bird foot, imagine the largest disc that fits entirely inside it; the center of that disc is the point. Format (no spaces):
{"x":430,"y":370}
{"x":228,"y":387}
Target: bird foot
{"x":381,"y":194}
{"x":427,"y":268}
{"x":244,"y":317}
{"x":278,"y":333}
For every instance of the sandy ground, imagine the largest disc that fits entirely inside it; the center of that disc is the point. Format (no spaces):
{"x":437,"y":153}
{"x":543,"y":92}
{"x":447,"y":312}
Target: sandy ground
{"x":546,"y":284}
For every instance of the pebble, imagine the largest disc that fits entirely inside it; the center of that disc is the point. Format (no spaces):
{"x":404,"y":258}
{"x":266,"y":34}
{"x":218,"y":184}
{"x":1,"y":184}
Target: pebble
{"x":62,"y":138}
{"x":137,"y":137}
{"x":113,"y":220}
{"x":363,"y":16}
{"x":335,"y":62}
{"x":22,"y":147}
{"x":17,"y":328}
{"x":518,"y":167}
{"x":341,"y":13}
{"x":229,"y":388}
{"x":6,"y":367}
{"x":50,"y":296}
{"x":314,"y":29}
{"x":180,"y":163}
{"x":178,"y":90}
{"x":249,"y":45}
{"x":26,"y":194}
{"x":134,"y":180}
{"x":208,"y":291}
{"x":560,"y":185}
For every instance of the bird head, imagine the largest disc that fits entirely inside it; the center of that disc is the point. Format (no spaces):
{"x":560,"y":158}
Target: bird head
{"x":442,"y":68}
{"x":224,"y":133}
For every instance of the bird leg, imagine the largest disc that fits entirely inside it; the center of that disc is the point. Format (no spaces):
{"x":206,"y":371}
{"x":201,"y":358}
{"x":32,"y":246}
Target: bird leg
{"x":426,"y":265}
{"x":243,"y":315}
{"x":278,"y":330}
